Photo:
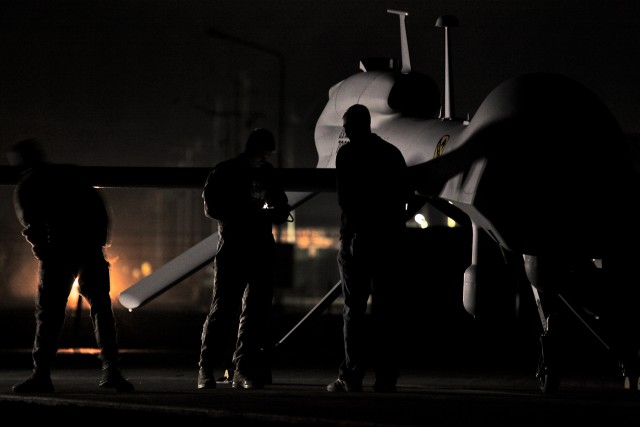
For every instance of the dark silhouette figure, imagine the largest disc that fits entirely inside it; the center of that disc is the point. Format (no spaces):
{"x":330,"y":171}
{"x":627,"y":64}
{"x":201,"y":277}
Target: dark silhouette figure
{"x":67,"y":224}
{"x":246,"y":200}
{"x":373,"y":190}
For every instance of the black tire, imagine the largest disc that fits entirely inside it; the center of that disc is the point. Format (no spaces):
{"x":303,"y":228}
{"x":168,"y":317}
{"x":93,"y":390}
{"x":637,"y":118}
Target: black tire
{"x":548,"y":375}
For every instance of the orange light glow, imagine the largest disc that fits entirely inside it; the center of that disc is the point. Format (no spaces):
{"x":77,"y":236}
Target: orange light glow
{"x":313,"y":239}
{"x":146,"y":268}
{"x":124,"y":275}
{"x":74,"y":297}
{"x":79,"y":350}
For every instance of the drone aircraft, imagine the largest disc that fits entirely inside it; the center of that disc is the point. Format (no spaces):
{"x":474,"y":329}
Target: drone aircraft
{"x":537,"y":172}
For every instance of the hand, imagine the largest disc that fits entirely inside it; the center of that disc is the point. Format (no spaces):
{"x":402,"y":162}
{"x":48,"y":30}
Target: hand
{"x":280,"y":214}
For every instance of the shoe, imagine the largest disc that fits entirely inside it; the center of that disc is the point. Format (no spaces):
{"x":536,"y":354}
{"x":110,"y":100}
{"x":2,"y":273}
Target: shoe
{"x":384,"y":388}
{"x":34,"y":384}
{"x":242,"y":381}
{"x":112,"y":378}
{"x":120,"y":384}
{"x":341,"y":385}
{"x":206,"y":380}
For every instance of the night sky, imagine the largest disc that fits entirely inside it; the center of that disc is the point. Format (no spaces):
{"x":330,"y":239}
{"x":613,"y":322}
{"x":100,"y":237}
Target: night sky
{"x":141,"y":83}
{"x":144,"y":83}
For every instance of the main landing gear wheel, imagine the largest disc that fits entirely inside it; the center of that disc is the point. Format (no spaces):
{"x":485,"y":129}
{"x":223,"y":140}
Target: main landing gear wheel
{"x":547,"y":374}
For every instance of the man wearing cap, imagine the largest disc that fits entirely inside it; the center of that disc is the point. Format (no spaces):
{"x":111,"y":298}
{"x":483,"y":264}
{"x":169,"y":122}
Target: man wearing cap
{"x":246,"y":200}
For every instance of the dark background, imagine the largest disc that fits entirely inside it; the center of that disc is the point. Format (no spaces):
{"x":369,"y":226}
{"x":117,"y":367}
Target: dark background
{"x":144,"y":83}
{"x":140,"y":82}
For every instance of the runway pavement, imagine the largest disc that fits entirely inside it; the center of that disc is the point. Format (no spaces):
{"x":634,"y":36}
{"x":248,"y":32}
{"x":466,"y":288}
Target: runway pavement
{"x":479,"y":395}
{"x":452,"y":374}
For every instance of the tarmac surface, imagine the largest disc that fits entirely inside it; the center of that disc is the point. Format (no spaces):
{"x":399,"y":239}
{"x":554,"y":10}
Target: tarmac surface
{"x":444,"y":395}
{"x":452,"y":375}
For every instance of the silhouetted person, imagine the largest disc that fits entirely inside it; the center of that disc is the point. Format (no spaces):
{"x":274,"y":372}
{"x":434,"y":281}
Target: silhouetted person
{"x":373,"y":190}
{"x":246,"y":201}
{"x":67,"y":224}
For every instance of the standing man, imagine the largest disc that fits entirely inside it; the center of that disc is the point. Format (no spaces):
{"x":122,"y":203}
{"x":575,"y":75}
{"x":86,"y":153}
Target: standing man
{"x":245,"y":198}
{"x":373,"y":190}
{"x":67,"y":224}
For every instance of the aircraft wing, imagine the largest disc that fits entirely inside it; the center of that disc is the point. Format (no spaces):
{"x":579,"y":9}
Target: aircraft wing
{"x":293,"y":179}
{"x":300,"y":184}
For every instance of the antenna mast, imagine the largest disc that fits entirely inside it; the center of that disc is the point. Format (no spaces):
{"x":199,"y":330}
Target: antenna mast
{"x":406,"y":62}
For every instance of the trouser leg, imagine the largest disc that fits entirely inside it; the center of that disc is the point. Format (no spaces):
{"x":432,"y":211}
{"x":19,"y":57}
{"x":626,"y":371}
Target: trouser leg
{"x":386,"y":310}
{"x":218,"y":337}
{"x":252,"y":345}
{"x":220,"y":326}
{"x":94,"y":281}
{"x":355,"y":290}
{"x":54,"y":287}
{"x":385,"y":326}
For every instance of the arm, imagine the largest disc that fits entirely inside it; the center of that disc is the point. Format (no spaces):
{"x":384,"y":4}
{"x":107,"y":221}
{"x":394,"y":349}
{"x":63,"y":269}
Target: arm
{"x":32,"y":216}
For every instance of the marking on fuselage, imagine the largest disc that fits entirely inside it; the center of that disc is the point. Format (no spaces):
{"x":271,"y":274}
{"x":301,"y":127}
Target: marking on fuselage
{"x":440,"y":146}
{"x":342,"y":139}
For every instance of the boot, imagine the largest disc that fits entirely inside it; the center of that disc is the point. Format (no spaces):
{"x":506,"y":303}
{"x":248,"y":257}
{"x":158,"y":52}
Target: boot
{"x":38,"y":382}
{"x":112,"y":378}
{"x":206,"y":379}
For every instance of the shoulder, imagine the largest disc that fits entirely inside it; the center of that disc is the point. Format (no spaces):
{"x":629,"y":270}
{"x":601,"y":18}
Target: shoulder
{"x":377,"y":139}
{"x":227,"y":165}
{"x":346,"y":149}
{"x":386,"y":145}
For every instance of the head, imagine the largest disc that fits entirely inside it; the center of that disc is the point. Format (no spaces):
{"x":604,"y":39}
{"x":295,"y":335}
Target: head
{"x":260,"y":145}
{"x":356,"y":122}
{"x":26,"y":154}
